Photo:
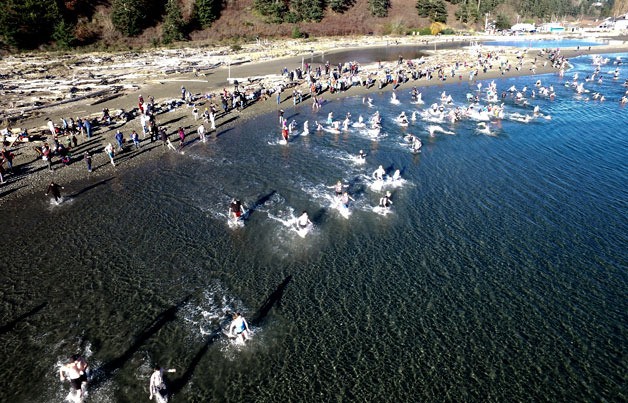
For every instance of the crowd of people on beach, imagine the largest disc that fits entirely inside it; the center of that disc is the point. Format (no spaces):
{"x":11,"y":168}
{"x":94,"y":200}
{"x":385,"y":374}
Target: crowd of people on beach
{"x":307,"y":81}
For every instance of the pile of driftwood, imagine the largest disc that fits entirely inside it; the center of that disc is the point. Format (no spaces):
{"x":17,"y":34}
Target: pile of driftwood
{"x":31,"y":82}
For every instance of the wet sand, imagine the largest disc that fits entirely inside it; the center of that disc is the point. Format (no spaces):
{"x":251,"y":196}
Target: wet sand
{"x":34,"y":176}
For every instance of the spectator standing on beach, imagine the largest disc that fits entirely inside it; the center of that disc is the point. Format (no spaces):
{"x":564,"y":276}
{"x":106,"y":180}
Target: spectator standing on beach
{"x":88,"y":128}
{"x":201,"y":133}
{"x":154,"y":132}
{"x":181,"y":138}
{"x":79,"y":126}
{"x":212,"y":118}
{"x":1,"y":172}
{"x":8,"y":157}
{"x":144,"y":124}
{"x":120,"y":139}
{"x":88,"y":160}
{"x":164,"y":136}
{"x":51,"y":127}
{"x":111,"y":153}
{"x":136,"y":139}
{"x":46,"y":155}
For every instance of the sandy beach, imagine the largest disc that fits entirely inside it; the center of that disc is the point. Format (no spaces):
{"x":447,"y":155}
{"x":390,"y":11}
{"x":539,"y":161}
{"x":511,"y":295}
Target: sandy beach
{"x":161,"y":74}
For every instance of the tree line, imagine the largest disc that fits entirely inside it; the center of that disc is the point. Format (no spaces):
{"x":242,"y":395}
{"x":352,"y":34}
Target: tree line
{"x":28,"y":24}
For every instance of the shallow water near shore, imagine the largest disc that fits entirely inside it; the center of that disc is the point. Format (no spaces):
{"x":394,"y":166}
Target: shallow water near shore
{"x":521,"y":42}
{"x":499,"y":274}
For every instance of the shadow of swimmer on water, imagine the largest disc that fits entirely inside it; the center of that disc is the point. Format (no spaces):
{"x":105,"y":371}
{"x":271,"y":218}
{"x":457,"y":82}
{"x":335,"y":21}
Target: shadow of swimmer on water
{"x":104,"y":372}
{"x":176,"y":385}
{"x":11,"y":324}
{"x":273,"y":299}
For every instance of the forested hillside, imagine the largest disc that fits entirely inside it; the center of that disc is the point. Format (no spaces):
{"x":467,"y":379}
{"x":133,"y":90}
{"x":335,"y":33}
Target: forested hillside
{"x":63,"y":24}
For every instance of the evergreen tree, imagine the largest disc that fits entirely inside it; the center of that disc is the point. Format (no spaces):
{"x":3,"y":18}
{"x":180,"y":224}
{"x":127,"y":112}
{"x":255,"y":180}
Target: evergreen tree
{"x":207,"y":11}
{"x":172,"y":29}
{"x":439,"y":11}
{"x":467,"y":13}
{"x":307,"y":10}
{"x":129,"y":16}
{"x":502,"y":22}
{"x":274,"y":10}
{"x":63,"y":35}
{"x":340,"y":6}
{"x":379,"y":8}
{"x":435,"y":10}
{"x":28,"y":23}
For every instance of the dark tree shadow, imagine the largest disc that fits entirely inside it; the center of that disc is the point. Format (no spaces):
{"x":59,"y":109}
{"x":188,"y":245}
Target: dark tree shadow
{"x":273,"y":298}
{"x":11,"y":325}
{"x":106,"y":370}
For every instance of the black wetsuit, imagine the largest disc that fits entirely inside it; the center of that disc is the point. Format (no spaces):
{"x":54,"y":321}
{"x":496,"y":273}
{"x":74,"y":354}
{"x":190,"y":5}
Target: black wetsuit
{"x":54,"y":188}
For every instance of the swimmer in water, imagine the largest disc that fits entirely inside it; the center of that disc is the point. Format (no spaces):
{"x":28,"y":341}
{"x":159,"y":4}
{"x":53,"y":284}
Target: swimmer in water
{"x":337,"y":188}
{"x":54,"y":189}
{"x":385,"y":201}
{"x":344,"y":199}
{"x":157,"y":386}
{"x":239,"y":327}
{"x":303,"y":221}
{"x":235,"y":209}
{"x":416,"y":145}
{"x":379,"y":173}
{"x":76,"y":372}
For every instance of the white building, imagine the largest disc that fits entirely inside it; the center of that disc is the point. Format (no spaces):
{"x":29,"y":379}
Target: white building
{"x":523,"y":27}
{"x":615,"y":24}
{"x":552,"y":28}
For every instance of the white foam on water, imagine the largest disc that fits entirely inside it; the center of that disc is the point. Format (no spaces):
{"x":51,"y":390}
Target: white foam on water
{"x":432,"y":129}
{"x":383,"y":211}
{"x":210,"y":315}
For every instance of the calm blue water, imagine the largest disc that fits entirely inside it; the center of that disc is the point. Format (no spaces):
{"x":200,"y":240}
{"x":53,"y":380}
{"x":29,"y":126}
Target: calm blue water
{"x":546,"y":43}
{"x":499,"y":275}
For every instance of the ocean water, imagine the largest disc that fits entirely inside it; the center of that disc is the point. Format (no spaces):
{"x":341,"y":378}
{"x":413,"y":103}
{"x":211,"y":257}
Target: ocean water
{"x":498,"y":275}
{"x":546,"y":43}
